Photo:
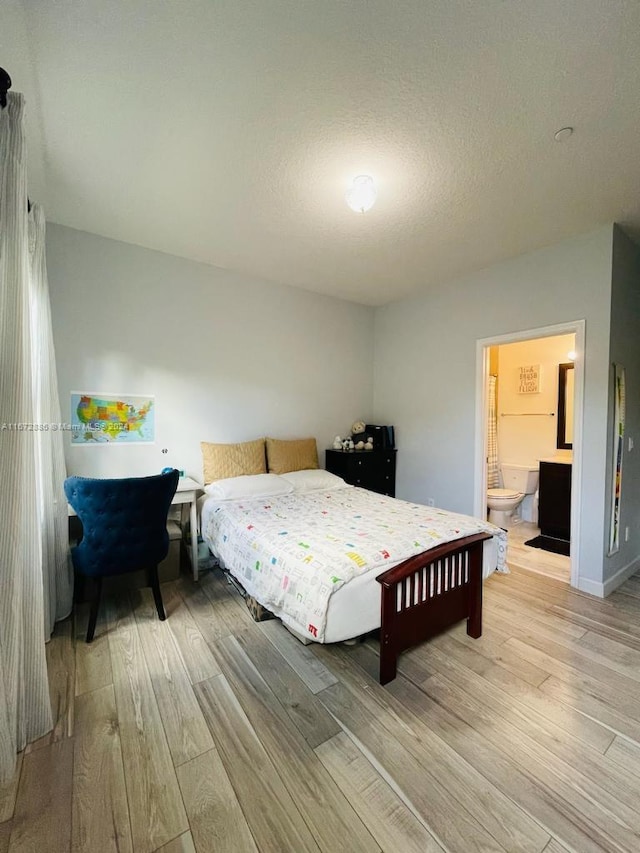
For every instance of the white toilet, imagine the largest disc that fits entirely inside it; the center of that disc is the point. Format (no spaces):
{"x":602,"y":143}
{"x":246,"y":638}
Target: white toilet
{"x":518,"y":481}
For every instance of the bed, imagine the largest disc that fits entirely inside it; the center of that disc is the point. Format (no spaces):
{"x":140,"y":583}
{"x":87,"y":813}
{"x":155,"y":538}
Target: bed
{"x":335,"y":562}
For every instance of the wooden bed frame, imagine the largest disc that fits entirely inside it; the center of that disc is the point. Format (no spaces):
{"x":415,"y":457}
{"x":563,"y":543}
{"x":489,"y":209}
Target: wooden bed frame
{"x":427,"y":593}
{"x":420,"y":598}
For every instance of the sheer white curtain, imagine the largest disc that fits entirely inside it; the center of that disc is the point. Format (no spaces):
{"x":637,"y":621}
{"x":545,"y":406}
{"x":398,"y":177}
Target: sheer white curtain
{"x":50,"y":466}
{"x":35,"y":574}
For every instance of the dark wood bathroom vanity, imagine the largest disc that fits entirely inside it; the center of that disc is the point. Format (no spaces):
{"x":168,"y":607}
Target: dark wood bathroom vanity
{"x":554,"y":499}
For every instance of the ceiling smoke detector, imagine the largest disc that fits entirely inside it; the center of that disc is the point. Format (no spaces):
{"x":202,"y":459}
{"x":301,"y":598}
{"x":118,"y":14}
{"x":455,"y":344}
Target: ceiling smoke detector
{"x":563,"y":134}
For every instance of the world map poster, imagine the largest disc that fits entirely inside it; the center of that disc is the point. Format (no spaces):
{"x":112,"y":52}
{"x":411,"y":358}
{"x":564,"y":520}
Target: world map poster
{"x":106,"y":419}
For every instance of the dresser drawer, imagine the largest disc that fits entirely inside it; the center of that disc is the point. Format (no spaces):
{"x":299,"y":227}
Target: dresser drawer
{"x":369,"y":469}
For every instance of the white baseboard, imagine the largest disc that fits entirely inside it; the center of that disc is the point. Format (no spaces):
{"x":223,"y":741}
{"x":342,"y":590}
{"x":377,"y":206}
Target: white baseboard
{"x":592,"y":587}
{"x":621,"y":575}
{"x":602,"y":590}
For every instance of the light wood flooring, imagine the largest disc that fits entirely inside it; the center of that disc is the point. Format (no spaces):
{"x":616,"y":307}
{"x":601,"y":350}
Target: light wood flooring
{"x":209,"y":732}
{"x":535,"y":559}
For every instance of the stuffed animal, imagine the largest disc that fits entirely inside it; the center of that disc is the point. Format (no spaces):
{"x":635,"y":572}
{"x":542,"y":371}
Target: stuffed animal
{"x":360,"y":445}
{"x":357,"y":428}
{"x":369,"y":444}
{"x":337,"y":443}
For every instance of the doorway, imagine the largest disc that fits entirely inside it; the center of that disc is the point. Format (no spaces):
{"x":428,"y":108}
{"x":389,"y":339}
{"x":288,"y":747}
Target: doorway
{"x":533,"y":371}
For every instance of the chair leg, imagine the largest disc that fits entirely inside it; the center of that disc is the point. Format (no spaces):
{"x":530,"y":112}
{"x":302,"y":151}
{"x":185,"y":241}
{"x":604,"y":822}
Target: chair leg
{"x":95,"y":603}
{"x":157,"y":596}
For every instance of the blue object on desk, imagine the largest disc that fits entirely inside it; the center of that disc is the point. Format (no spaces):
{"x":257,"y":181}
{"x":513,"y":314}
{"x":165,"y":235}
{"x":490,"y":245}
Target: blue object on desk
{"x":124,"y":528}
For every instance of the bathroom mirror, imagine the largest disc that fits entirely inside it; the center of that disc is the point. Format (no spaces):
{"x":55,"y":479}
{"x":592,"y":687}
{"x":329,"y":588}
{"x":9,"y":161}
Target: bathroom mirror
{"x":565,"y":406}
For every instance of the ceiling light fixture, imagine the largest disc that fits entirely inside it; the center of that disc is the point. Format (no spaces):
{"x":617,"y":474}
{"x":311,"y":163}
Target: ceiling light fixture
{"x":571,"y":355}
{"x":361,"y":195}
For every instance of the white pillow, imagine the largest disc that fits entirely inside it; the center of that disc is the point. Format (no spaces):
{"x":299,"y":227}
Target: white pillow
{"x":249,"y":486}
{"x":313,"y":480}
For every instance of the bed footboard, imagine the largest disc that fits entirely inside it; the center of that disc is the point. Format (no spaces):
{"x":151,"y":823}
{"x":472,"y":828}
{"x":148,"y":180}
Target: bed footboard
{"x":427,"y":593}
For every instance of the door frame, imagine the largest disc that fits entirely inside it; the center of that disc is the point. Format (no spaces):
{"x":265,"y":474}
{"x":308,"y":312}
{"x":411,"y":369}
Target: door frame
{"x":576,"y":327}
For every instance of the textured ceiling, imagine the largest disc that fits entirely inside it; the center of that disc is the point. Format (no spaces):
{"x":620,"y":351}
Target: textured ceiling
{"x":226,"y":130}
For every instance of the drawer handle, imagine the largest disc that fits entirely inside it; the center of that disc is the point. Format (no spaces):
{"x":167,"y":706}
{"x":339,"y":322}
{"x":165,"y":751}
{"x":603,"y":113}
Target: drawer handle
{"x":359,"y":461}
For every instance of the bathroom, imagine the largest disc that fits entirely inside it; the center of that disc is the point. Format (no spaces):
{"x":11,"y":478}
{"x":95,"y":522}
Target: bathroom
{"x":529,"y":450}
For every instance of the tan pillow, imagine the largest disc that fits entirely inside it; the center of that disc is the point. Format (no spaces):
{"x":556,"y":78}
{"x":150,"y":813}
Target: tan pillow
{"x":297,"y":455}
{"x":220,"y":461}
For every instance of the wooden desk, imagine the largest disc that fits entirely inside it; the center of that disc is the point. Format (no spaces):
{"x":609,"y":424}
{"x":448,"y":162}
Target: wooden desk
{"x":186,"y":495}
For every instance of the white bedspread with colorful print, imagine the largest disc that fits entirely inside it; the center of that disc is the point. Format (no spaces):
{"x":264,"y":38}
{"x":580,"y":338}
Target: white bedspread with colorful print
{"x":293,"y":552}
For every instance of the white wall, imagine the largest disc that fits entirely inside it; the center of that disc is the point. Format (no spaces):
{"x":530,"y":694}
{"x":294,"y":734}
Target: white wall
{"x":526,"y":438}
{"x":425,"y":369}
{"x":625,"y":350}
{"x":18,"y":59}
{"x":227,"y":357}
{"x":230,"y":358}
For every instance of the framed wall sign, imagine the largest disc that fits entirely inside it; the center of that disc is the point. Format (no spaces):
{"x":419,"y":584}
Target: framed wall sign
{"x":529,"y":379}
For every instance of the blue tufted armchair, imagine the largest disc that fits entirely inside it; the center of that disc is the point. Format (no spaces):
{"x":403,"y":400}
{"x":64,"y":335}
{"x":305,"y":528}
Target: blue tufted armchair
{"x":124,"y":528}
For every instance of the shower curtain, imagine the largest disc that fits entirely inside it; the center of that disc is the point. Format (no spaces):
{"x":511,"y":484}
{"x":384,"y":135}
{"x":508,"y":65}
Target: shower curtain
{"x":493,"y":478}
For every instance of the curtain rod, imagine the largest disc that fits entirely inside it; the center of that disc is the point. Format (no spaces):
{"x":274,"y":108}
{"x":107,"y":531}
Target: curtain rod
{"x":527,"y":414}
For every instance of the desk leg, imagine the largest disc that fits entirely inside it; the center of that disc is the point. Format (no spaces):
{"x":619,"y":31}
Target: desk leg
{"x":194,"y":540}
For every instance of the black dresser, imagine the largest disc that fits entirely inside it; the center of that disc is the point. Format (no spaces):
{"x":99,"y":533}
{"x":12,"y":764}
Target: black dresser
{"x":370,"y":469}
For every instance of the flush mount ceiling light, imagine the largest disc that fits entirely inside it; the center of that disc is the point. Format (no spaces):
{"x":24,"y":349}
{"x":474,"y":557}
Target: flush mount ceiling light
{"x":361,"y":195}
{"x":571,"y":355}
